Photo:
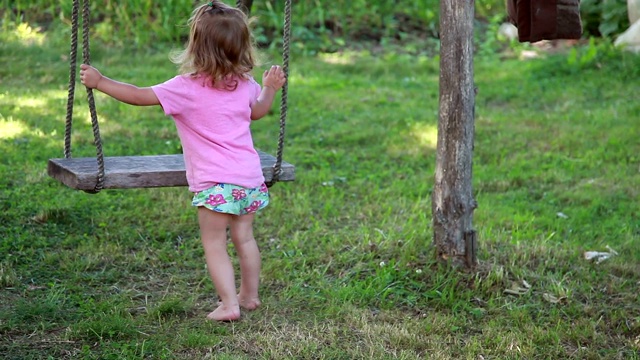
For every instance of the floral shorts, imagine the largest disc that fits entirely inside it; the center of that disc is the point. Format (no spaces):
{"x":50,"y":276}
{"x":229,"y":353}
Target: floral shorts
{"x":232,"y":199}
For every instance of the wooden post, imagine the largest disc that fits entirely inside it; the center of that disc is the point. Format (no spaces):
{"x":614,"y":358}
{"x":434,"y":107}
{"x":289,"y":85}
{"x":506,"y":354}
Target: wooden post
{"x":452,"y":199}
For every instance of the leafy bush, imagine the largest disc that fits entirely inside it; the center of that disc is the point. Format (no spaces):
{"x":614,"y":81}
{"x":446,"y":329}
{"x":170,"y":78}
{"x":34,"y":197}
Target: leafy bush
{"x":604,"y":17}
{"x":132,"y":21}
{"x":316,"y":25}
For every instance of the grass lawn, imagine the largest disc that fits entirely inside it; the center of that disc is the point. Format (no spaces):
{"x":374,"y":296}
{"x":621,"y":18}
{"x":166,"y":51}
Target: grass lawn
{"x":348,"y":269}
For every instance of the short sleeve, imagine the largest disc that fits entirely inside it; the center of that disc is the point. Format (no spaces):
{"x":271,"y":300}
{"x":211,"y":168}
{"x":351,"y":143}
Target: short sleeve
{"x":255,"y":90}
{"x":172,"y":94}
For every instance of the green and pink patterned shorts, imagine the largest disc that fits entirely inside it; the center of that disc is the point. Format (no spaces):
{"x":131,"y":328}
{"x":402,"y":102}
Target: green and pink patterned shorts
{"x":232,"y":199}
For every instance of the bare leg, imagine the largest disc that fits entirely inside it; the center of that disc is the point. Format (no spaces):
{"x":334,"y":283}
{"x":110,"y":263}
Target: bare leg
{"x":213,"y":230}
{"x":249,"y":258}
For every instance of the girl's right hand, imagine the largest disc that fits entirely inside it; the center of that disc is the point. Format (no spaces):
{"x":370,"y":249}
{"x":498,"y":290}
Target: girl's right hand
{"x":89,"y":76}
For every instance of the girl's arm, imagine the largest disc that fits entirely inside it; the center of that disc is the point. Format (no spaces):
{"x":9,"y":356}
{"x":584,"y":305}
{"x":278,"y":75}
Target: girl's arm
{"x":272,"y":80}
{"x":127,"y":93}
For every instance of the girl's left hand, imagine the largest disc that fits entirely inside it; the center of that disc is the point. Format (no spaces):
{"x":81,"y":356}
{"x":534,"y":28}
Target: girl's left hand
{"x":274,"y":77}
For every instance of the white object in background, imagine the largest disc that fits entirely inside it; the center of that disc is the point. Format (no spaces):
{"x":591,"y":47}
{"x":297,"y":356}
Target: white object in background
{"x":600,"y":256}
{"x":630,"y":39}
{"x":633,"y":8}
{"x":509,"y":32}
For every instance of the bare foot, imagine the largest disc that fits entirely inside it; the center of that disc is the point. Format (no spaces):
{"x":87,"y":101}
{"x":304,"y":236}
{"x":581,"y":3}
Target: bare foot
{"x":247,"y":304}
{"x":225,"y":313}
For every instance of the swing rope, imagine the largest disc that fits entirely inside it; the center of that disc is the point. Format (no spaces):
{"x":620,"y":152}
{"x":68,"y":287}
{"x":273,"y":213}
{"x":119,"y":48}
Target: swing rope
{"x":277,"y":168}
{"x":86,"y":58}
{"x":286,"y":40}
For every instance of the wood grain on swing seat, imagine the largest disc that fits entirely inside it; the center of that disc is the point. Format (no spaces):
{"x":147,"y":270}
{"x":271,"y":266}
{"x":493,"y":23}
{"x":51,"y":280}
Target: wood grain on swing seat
{"x":129,"y":172}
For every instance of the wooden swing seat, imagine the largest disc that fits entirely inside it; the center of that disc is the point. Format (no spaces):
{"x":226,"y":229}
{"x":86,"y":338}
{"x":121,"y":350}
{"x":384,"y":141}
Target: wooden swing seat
{"x":129,"y":172}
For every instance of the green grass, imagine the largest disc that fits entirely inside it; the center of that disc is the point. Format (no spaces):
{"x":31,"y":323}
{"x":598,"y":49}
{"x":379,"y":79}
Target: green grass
{"x":348,"y":266}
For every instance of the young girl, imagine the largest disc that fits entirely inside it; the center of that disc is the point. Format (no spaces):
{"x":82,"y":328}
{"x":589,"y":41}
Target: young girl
{"x":213,"y":102}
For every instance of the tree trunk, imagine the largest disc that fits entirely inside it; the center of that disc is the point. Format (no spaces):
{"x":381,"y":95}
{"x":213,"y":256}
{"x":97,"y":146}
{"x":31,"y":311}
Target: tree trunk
{"x":245,"y":5}
{"x":452,"y":200}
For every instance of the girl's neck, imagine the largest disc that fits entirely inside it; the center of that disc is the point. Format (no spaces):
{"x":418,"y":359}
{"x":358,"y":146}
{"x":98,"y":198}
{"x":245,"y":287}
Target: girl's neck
{"x":229,"y":82}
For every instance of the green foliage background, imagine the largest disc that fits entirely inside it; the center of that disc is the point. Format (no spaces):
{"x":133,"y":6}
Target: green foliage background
{"x":316,"y":25}
{"x":604,"y":17}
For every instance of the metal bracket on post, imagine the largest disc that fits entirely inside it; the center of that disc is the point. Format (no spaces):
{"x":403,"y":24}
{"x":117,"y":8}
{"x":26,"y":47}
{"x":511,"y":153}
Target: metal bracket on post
{"x":471,"y":248}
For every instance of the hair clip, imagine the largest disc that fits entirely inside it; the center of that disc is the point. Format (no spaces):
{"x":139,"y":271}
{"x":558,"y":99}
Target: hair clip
{"x":210,"y":4}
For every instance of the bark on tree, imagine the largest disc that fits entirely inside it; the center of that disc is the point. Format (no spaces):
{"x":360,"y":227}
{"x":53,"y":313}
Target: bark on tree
{"x":452,"y":199}
{"x":245,"y":5}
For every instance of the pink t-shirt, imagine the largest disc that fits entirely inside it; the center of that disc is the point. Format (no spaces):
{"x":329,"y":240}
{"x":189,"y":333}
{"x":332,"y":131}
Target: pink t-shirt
{"x":213,"y":126}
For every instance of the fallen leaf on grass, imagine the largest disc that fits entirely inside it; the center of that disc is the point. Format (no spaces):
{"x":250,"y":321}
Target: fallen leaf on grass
{"x":552,"y":299}
{"x":597,"y":255}
{"x":518,"y":290}
{"x":334,"y":181}
{"x":611,"y":250}
{"x":35,"y":287}
{"x":600,"y":256}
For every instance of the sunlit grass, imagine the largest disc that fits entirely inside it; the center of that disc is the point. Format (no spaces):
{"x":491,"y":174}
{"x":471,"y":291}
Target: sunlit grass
{"x":29,"y":101}
{"x":11,"y":129}
{"x":342,"y":58}
{"x":419,"y":138}
{"x":427,"y":135}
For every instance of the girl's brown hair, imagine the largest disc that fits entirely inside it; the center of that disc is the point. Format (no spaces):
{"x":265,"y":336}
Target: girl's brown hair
{"x":220,"y":47}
